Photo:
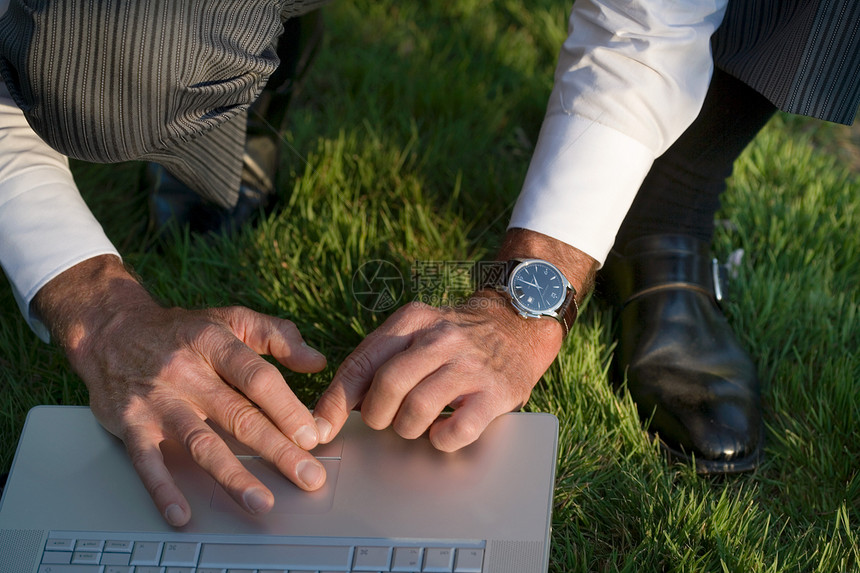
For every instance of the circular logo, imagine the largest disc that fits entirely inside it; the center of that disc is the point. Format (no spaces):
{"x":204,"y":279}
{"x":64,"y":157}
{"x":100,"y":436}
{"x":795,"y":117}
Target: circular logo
{"x":377,"y":285}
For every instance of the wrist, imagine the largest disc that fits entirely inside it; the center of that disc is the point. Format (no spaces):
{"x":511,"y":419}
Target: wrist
{"x":85,"y":299}
{"x":578,"y":267}
{"x":540,"y":292}
{"x":542,"y":337}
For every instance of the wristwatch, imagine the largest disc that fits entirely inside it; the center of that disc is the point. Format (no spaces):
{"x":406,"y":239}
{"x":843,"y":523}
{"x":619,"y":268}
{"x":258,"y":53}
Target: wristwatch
{"x":538,"y":289}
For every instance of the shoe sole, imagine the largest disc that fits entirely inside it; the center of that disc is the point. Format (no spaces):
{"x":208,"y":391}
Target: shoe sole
{"x":715,"y":467}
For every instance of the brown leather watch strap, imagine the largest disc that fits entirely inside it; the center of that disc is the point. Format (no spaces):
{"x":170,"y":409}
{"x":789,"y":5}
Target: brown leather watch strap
{"x":568,"y":311}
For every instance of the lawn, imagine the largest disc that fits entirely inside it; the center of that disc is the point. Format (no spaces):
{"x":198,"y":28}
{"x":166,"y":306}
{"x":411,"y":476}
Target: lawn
{"x":410,"y":143}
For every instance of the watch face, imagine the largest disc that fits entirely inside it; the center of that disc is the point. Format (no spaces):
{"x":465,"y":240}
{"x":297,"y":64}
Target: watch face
{"x":537,"y":287}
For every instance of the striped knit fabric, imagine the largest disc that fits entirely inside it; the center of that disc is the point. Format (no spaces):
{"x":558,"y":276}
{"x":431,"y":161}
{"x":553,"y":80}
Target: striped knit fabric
{"x":803,"y":55}
{"x":168,"y":81}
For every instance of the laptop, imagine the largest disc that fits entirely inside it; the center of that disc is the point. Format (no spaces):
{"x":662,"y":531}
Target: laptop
{"x":73,"y":504}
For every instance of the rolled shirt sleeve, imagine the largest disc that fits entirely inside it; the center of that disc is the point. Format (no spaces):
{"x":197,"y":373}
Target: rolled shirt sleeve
{"x":631,"y":77}
{"x":45,"y":225}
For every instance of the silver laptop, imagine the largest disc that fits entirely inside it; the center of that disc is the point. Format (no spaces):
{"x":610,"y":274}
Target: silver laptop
{"x":73,"y":504}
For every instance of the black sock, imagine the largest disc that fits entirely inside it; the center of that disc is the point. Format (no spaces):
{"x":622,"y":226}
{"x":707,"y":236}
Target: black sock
{"x":681,"y":193}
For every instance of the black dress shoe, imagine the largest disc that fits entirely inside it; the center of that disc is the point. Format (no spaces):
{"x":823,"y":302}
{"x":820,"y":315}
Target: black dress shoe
{"x":687,"y":373}
{"x":171,"y":202}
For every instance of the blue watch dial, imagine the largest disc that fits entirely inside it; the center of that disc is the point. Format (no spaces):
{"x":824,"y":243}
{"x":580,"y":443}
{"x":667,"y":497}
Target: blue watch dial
{"x":537,"y":287}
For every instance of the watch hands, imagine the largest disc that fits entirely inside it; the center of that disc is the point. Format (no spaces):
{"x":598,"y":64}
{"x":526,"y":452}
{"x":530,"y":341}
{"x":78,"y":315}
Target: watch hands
{"x":534,"y":284}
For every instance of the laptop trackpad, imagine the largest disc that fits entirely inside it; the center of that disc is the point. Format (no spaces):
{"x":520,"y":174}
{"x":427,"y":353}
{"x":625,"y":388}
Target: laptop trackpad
{"x":288,"y":497}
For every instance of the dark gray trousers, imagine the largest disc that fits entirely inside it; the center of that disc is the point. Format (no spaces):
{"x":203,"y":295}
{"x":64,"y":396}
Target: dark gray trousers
{"x":161,"y":80}
{"x":801,"y":56}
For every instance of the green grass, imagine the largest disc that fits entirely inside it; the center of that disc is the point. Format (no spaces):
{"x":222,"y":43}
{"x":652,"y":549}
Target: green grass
{"x":410,"y":142}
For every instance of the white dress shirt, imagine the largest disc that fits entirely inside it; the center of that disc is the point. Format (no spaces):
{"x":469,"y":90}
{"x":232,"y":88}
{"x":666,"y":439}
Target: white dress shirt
{"x":631,"y":77}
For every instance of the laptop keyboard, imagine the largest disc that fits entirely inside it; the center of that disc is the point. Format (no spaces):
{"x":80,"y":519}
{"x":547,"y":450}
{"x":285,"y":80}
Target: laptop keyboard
{"x":70,"y":552}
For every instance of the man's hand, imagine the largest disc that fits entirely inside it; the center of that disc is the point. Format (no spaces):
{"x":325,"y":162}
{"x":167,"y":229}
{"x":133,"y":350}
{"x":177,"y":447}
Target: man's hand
{"x":481,"y":359}
{"x":477,"y":359}
{"x":155,"y":374}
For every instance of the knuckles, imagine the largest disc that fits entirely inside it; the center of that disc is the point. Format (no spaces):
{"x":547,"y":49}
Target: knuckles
{"x":356,"y":368}
{"x":286,"y":457}
{"x":257,"y":377}
{"x":373,"y":420}
{"x":200,"y":443}
{"x":417,"y":407}
{"x":243,"y":421}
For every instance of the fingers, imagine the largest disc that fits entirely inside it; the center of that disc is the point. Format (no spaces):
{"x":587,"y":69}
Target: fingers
{"x":275,"y":337}
{"x":414,"y":387}
{"x":422,"y":360}
{"x":465,"y":424}
{"x":145,"y":455}
{"x":253,"y":428}
{"x":356,"y":373}
{"x":448,"y":363}
{"x":210,"y":452}
{"x":263,"y":385}
{"x":476,"y":398}
{"x":238,"y":362}
{"x":255,"y":405}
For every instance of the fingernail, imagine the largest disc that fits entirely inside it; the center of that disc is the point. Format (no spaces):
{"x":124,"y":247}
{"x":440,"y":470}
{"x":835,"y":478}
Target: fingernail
{"x":256,"y":500}
{"x":324,"y":429}
{"x":310,"y":473}
{"x":313,"y":351}
{"x":175,"y":515}
{"x":306,"y":437}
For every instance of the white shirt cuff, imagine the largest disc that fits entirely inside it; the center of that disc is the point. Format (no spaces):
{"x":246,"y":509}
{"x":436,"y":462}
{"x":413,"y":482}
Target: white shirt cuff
{"x":45,"y":229}
{"x":574,"y":190}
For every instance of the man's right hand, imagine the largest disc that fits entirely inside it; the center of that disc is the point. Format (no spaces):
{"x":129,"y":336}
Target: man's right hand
{"x":157,"y":373}
{"x":481,"y":359}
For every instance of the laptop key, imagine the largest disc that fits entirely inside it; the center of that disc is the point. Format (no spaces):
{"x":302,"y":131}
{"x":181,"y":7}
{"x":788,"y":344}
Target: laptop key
{"x":86,"y":557}
{"x":60,"y":545}
{"x":259,"y":556}
{"x":57,"y":557}
{"x":113,"y":546}
{"x":371,"y":559}
{"x":180,"y":554}
{"x":438,"y":560}
{"x":70,"y":569}
{"x":146,"y":553}
{"x":469,"y":560}
{"x":115,"y":558}
{"x":406,"y":559}
{"x":89,"y":545}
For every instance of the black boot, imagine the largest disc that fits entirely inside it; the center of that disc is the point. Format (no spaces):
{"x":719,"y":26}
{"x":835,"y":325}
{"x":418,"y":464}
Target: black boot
{"x":685,"y":370}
